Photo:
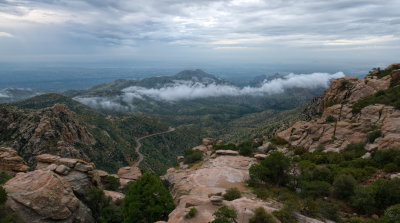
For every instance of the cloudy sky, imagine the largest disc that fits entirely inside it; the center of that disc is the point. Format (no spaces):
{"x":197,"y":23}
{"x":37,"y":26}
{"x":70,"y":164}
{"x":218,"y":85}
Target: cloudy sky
{"x":229,"y":31}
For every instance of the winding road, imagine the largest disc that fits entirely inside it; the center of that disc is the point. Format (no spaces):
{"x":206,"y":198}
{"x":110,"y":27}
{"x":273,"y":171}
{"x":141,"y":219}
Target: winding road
{"x":137,"y":163}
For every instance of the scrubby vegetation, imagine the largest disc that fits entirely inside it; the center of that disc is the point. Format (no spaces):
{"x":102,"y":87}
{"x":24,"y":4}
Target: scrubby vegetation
{"x":192,"y":156}
{"x":191,"y":214}
{"x":327,"y":185}
{"x":232,"y":194}
{"x":111,"y":183}
{"x":390,"y":96}
{"x":225,"y":215}
{"x":261,"y":216}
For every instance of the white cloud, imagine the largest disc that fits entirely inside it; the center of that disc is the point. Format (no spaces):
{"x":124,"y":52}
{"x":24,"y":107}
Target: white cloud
{"x":191,"y":90}
{"x":4,"y":34}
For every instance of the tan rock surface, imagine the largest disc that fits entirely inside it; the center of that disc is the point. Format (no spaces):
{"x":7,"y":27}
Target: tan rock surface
{"x":42,"y":196}
{"x":129,"y":172}
{"x":10,"y":162}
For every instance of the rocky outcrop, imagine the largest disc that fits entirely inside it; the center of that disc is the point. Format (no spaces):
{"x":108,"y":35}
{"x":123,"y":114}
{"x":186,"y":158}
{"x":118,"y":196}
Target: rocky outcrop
{"x":43,"y":196}
{"x":10,"y":162}
{"x":338,"y":125}
{"x":78,"y":173}
{"x":128,"y":174}
{"x":51,"y":130}
{"x":227,"y":152}
{"x":202,"y":187}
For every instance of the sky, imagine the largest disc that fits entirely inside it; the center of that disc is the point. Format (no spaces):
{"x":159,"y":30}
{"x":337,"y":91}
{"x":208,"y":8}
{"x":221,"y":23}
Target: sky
{"x":357,"y":33}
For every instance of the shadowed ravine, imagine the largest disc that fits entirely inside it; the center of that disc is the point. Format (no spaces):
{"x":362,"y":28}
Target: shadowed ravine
{"x":137,"y":163}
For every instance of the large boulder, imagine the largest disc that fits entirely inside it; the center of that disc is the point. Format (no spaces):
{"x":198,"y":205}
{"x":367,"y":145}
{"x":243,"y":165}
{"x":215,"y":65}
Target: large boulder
{"x":227,"y":152}
{"x":10,"y":162}
{"x":78,"y":173}
{"x":129,"y":172}
{"x":43,"y":196}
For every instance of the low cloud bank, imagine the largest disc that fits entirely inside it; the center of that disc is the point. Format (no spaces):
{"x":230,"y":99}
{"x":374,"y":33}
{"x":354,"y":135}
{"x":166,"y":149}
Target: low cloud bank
{"x":191,"y":90}
{"x":187,"y":90}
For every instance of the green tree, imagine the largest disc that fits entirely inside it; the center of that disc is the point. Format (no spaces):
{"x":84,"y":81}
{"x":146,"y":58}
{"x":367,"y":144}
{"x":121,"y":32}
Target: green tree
{"x":111,"y":183}
{"x":225,"y":215}
{"x":147,"y":200}
{"x":261,"y":216}
{"x":273,"y":169}
{"x":344,"y":186}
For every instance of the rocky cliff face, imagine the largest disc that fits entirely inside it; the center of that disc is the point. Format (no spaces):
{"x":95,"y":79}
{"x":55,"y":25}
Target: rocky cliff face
{"x":51,"y":130}
{"x":338,"y":125}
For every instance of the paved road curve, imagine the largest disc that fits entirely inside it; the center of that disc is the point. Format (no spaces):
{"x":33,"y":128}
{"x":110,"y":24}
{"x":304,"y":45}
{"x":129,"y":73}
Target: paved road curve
{"x":138,"y":144}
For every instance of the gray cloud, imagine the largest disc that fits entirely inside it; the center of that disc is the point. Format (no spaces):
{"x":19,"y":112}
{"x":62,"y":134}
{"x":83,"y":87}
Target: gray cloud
{"x":127,"y":29}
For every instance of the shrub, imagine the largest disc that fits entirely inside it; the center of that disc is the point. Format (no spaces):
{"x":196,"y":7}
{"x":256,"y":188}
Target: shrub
{"x":245,"y":148}
{"x":285,"y":215}
{"x":383,"y":157}
{"x":315,"y":188}
{"x":353,"y":150}
{"x":225,"y":215}
{"x":101,"y":208}
{"x":147,"y":200}
{"x":111,"y":183}
{"x":229,"y":146}
{"x":392,"y":214}
{"x":373,"y":135}
{"x":3,"y":195}
{"x":271,"y":147}
{"x":273,"y":169}
{"x":387,"y":192}
{"x":364,"y":200}
{"x":278,"y":141}
{"x":261,"y":216}
{"x":391,"y":96}
{"x":344,"y":186}
{"x":300,"y":150}
{"x":330,"y":119}
{"x":191,"y":214}
{"x":390,"y":168}
{"x":192,"y":156}
{"x":323,"y":174}
{"x":4,"y":178}
{"x":328,"y":210}
{"x":232,"y":194}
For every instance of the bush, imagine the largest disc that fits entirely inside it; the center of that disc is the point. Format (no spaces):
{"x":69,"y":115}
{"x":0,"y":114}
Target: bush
{"x":245,"y":148}
{"x":328,"y":210}
{"x":102,"y":209}
{"x":364,"y":200}
{"x":261,"y":216}
{"x":4,"y":178}
{"x":111,"y":183}
{"x":3,"y":195}
{"x":225,"y":215}
{"x":232,"y":194}
{"x":383,"y":157}
{"x":374,"y":135}
{"x":392,"y":214}
{"x":323,"y":174}
{"x":330,"y":119}
{"x":344,"y":186}
{"x":387,"y":192}
{"x":315,"y":189}
{"x":278,"y":141}
{"x":390,"y":168}
{"x":391,"y":96}
{"x":147,"y":200}
{"x":285,"y":215}
{"x":354,"y":150}
{"x":192,"y":156}
{"x":229,"y":146}
{"x":191,"y":214}
{"x":273,"y":169}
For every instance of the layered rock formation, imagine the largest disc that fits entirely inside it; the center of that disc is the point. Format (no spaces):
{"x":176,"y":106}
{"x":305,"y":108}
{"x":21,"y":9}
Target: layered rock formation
{"x":43,"y":196}
{"x":10,"y":162}
{"x":338,"y":125}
